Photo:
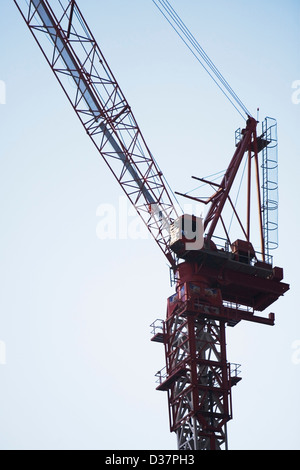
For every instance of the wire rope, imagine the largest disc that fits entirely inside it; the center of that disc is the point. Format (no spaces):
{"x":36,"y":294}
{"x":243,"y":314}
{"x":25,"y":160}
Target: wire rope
{"x":193,"y":45}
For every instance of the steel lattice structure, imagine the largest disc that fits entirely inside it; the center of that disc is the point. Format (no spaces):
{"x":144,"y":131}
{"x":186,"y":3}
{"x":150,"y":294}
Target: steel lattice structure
{"x":200,"y":397}
{"x":81,"y":69}
{"x":215,"y":287}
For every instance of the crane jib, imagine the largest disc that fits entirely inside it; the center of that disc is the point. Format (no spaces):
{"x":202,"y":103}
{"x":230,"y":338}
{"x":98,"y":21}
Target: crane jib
{"x":86,"y":92}
{"x":80,"y":67}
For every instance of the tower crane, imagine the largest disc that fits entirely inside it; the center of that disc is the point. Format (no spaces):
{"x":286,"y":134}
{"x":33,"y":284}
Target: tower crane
{"x":215,"y":286}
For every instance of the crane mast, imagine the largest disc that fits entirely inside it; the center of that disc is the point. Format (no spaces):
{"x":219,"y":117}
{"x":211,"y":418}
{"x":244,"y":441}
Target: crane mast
{"x":215,"y":286}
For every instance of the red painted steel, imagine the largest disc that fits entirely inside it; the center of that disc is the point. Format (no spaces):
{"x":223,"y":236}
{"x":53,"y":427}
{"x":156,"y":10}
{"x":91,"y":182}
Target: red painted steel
{"x":210,"y":294}
{"x":198,"y":376}
{"x":214,"y":287}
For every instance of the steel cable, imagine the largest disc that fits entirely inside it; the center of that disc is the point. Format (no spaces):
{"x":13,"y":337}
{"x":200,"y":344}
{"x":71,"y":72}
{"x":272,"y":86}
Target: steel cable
{"x":193,"y":45}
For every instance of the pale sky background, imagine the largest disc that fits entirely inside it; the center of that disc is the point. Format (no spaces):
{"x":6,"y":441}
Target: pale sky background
{"x":76,"y":310}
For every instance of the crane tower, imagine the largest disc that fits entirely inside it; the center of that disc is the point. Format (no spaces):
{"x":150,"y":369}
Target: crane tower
{"x":215,"y":284}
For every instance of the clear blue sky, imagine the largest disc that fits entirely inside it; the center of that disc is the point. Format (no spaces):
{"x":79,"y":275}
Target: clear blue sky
{"x":76,"y":310}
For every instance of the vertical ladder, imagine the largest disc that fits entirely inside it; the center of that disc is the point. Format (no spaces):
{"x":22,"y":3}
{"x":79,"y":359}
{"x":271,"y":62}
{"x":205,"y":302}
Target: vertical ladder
{"x":270,"y":185}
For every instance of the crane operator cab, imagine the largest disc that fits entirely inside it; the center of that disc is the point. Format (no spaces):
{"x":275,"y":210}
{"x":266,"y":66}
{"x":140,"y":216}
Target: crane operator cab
{"x":186,"y":234}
